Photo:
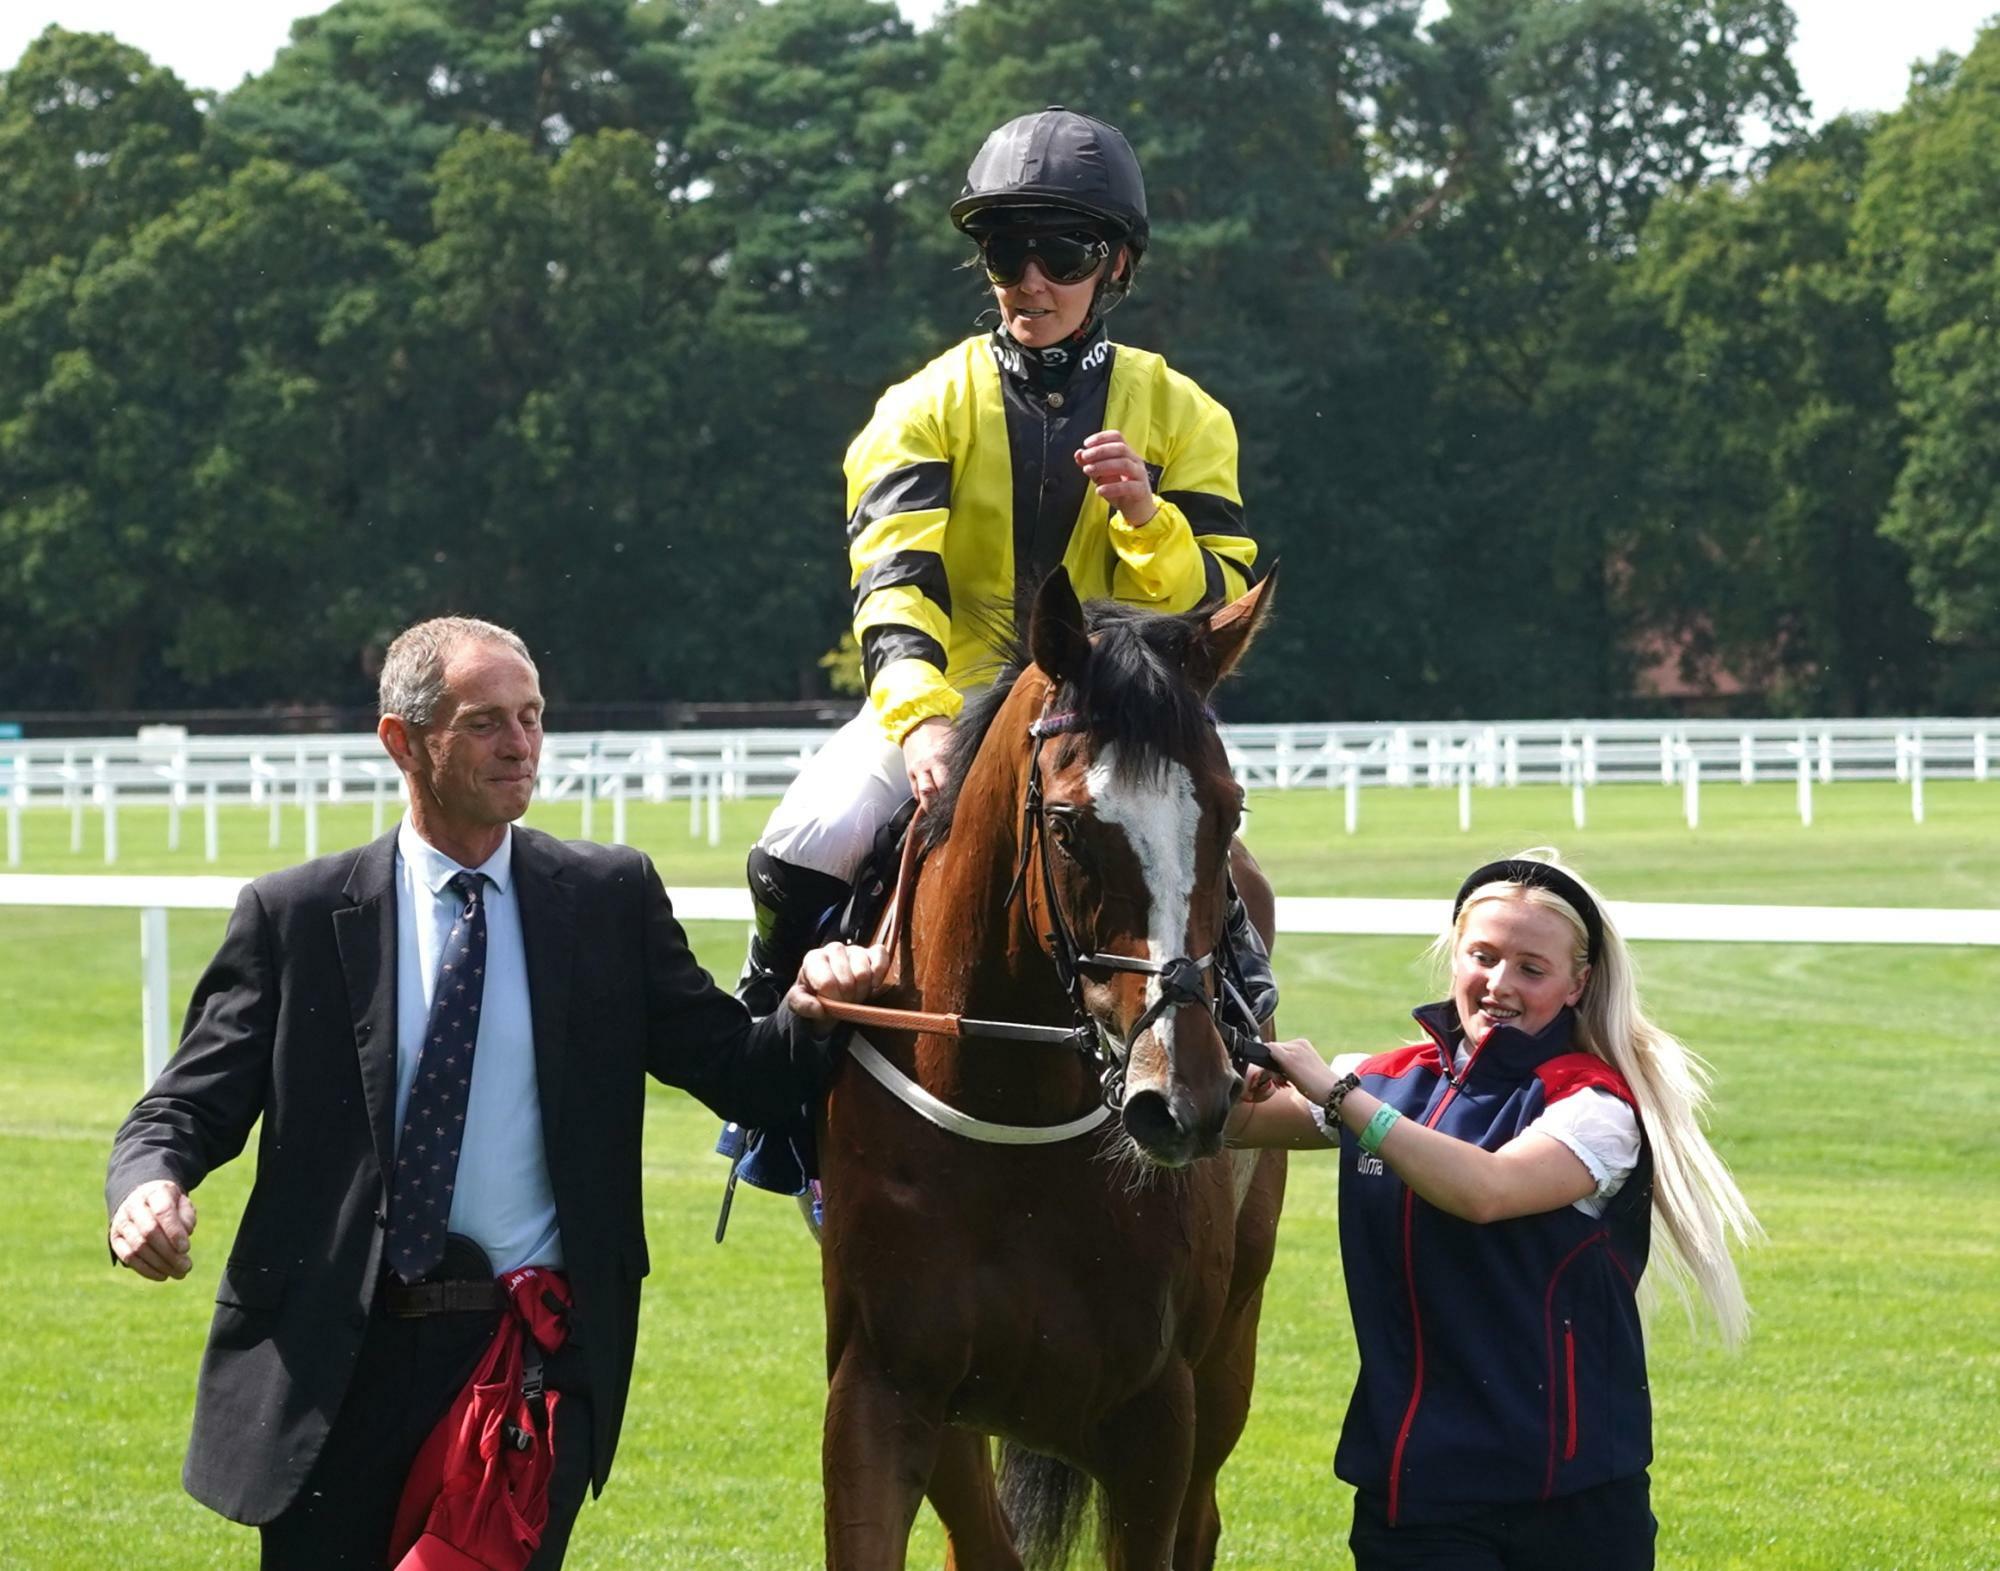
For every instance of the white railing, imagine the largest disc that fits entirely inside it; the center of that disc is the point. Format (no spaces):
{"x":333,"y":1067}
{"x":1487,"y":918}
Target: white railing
{"x":154,"y":897}
{"x":604,"y":771}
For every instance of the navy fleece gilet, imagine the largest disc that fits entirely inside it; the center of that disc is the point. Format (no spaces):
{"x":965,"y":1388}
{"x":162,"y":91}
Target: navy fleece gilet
{"x":1501,"y":1363}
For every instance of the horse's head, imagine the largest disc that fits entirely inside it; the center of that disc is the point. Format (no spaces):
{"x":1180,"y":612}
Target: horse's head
{"x":1137,"y":807}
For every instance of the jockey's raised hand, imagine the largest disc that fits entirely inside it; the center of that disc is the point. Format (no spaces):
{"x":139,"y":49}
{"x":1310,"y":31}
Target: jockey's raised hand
{"x":1119,"y":475}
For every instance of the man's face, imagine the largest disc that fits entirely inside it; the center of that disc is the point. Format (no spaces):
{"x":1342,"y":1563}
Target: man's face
{"x":476,"y":761}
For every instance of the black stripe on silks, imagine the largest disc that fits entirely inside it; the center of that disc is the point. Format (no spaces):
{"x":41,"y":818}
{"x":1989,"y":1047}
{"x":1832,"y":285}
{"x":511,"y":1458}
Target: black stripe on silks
{"x":1153,"y":473}
{"x":914,"y":488}
{"x":925,"y":569}
{"x":1207,"y":513}
{"x":886,"y":645}
{"x":1214,"y":586}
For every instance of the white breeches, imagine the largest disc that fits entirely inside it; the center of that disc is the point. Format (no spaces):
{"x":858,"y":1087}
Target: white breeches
{"x":849,"y":789}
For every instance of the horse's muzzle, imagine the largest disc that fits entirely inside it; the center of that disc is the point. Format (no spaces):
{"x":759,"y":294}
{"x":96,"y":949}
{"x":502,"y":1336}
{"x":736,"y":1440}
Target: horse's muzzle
{"x":1173,"y":1127}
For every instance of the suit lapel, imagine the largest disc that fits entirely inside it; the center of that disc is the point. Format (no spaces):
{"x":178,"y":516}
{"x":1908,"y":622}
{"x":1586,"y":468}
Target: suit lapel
{"x":548,"y":932}
{"x":365,"y":931}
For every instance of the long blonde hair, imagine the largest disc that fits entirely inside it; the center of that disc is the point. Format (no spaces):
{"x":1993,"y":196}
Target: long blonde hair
{"x":1696,"y":1204}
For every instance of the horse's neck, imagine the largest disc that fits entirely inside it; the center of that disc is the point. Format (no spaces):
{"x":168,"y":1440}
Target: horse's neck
{"x":970,"y":953}
{"x":969,"y":949}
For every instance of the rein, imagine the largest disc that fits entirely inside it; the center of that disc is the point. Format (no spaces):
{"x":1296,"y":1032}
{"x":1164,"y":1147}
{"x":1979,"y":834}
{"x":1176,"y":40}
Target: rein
{"x":1183,"y":981}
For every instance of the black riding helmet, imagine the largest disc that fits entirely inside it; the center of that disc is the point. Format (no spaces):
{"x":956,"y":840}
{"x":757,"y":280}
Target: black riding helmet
{"x":1055,"y":169}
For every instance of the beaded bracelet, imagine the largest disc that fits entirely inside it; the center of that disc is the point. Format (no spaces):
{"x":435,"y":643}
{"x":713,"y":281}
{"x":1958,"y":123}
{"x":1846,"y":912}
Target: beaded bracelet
{"x":1378,"y":1128}
{"x":1330,"y":1108}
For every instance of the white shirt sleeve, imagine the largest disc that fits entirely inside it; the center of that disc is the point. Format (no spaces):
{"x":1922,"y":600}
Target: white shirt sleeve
{"x":1603,"y":1131}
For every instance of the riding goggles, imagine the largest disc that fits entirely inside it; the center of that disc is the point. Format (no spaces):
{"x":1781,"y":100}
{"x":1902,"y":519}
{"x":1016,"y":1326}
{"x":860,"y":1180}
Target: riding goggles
{"x":1065,"y":258}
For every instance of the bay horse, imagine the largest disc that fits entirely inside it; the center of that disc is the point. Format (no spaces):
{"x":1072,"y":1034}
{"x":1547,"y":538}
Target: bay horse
{"x":1086,"y":1285}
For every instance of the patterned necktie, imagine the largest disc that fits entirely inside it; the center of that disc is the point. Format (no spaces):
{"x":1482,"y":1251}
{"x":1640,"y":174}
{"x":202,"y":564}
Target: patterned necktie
{"x":427,"y":1153}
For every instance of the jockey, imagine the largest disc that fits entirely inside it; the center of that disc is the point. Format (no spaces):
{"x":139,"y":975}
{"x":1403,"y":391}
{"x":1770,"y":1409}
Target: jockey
{"x":1038,"y":444}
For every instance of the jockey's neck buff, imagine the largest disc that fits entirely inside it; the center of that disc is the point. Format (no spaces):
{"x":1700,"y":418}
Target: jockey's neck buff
{"x":1048,"y":370}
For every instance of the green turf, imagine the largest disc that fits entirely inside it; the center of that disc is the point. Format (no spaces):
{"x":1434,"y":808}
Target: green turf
{"x":1857,"y":1098}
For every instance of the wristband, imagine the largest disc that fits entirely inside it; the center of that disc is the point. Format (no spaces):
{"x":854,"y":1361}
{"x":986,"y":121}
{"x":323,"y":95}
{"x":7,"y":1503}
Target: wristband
{"x":1378,"y":1128}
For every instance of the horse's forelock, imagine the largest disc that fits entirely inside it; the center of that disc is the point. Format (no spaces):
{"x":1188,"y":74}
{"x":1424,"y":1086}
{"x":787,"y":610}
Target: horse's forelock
{"x":1133,"y":695}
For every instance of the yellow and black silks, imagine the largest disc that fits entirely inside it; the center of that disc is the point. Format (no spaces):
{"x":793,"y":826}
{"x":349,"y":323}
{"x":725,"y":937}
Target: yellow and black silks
{"x":965,"y":482}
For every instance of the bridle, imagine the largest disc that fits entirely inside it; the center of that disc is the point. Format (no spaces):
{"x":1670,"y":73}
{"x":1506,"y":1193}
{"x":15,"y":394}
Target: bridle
{"x":1184,"y":981}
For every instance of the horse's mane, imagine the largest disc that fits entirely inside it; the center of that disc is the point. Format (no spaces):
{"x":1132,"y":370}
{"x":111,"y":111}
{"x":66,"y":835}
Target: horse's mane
{"x":1133,"y":694}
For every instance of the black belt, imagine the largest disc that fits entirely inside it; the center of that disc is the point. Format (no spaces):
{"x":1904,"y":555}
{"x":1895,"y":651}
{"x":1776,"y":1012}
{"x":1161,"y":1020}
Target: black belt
{"x":460,"y":1284}
{"x":406,"y":1300}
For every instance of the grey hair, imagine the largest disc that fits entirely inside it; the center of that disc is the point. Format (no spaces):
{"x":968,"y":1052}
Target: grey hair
{"x":412,"y":684}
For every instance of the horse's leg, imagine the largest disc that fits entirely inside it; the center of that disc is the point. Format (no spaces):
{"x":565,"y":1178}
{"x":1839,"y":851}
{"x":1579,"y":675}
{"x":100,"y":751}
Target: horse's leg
{"x":876,"y":1457}
{"x":967,"y":1502}
{"x":1223,"y":1380}
{"x":1144,"y":1452}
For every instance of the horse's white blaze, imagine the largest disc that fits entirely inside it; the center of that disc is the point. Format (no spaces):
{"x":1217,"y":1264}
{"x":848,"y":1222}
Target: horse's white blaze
{"x":1157,"y":809}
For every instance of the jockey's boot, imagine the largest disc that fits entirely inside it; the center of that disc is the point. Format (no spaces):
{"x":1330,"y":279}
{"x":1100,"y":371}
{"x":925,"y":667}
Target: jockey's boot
{"x":791,"y":904}
{"x":1253,"y":960}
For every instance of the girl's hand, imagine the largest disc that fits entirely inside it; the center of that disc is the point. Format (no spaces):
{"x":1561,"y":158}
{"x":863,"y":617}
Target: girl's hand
{"x":1299,"y":1062}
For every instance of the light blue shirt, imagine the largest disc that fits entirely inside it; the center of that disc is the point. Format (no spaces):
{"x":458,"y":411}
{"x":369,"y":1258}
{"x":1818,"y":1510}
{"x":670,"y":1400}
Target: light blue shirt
{"x":502,"y":1200}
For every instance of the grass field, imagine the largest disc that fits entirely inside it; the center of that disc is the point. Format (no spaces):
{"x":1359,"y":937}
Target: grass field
{"x":1858,"y":1091}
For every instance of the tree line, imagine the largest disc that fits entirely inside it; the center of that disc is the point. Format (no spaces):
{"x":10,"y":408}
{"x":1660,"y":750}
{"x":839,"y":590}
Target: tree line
{"x":1563,"y":351}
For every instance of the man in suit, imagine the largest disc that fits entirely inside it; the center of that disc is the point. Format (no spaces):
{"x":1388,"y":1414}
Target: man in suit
{"x":348,"y":1008}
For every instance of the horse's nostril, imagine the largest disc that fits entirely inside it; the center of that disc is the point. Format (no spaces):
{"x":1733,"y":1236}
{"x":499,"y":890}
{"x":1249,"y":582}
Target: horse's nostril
{"x":1149,"y":1119}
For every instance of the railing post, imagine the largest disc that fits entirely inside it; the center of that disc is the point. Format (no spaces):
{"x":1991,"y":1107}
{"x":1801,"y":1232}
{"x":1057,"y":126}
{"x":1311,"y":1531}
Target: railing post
{"x":1352,"y":788}
{"x":1691,"y":792}
{"x":211,"y":838}
{"x":1917,"y":777}
{"x":1748,"y":767}
{"x":1805,"y":788}
{"x":110,"y":825}
{"x":17,"y":798}
{"x":618,"y":807}
{"x":156,"y":1043}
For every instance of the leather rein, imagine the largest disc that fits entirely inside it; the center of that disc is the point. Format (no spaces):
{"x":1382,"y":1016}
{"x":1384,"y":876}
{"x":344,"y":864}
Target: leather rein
{"x":1183,"y":981}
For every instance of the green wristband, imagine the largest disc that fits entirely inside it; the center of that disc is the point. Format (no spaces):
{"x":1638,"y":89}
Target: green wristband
{"x":1378,"y":1128}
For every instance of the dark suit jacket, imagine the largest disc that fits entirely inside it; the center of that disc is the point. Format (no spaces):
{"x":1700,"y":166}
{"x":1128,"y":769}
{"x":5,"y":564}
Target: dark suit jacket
{"x":294,"y":1022}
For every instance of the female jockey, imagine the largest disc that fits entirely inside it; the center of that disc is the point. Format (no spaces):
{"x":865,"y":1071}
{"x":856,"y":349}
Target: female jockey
{"x":1039,"y":444}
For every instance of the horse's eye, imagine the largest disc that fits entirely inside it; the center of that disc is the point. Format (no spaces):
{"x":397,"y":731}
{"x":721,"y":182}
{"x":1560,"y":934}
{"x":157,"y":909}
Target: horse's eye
{"x":1062,"y":830}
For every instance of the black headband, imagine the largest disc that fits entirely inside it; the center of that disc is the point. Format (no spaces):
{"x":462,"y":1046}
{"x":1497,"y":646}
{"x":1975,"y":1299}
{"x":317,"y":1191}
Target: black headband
{"x":1539,"y":875}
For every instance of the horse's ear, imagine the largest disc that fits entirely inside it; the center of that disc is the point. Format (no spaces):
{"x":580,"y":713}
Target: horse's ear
{"x":1056,"y":635}
{"x":1222,"y":642}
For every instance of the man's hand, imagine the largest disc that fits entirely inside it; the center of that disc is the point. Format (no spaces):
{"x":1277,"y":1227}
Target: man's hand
{"x":151,"y":1231}
{"x":1119,"y":475}
{"x":846,"y":973}
{"x":923,"y":756}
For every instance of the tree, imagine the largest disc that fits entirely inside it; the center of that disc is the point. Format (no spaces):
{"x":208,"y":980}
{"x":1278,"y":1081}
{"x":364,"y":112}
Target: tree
{"x":1930,"y":231}
{"x":96,"y":140}
{"x":1541,"y":134}
{"x":189,"y":490}
{"x":1746,"y":398}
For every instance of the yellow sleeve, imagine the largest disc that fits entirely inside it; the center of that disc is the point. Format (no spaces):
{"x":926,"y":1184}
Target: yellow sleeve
{"x":1193,"y":548}
{"x":898,"y":504}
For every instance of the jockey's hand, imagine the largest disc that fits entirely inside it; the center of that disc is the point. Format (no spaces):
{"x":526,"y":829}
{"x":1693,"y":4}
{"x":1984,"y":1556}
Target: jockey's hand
{"x":846,"y":973}
{"x":150,"y":1233}
{"x":923,"y":757}
{"x":1119,"y":475}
